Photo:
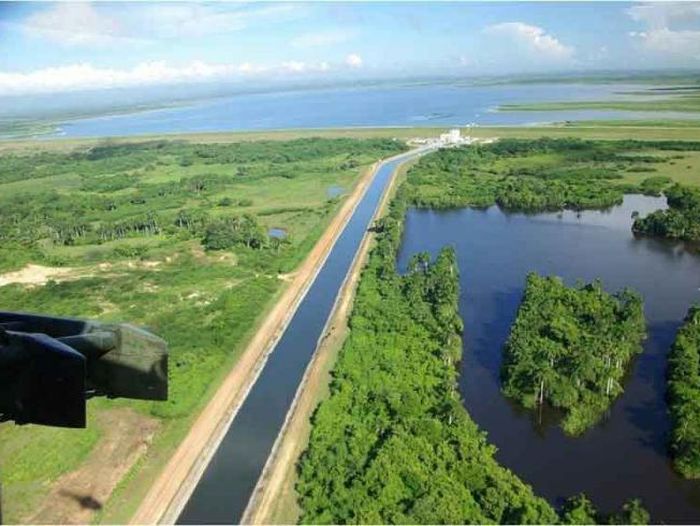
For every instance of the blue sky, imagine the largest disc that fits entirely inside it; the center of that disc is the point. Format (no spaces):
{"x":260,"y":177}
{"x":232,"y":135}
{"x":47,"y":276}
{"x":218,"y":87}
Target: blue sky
{"x":54,"y":47}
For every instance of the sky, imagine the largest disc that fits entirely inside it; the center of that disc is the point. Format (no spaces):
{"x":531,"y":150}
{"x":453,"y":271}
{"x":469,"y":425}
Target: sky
{"x":53,"y":47}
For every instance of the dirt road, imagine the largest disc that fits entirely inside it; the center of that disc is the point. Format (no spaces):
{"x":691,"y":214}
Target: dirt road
{"x":174,"y":485}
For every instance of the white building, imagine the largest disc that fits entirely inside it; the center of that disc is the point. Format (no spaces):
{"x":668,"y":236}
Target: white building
{"x":451,"y":137}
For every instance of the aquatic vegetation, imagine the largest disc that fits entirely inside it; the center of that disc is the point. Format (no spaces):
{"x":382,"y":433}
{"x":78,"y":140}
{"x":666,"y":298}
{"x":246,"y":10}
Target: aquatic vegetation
{"x":570,"y":347}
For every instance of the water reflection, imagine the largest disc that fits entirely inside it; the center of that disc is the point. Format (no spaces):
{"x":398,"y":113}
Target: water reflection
{"x":624,"y":456}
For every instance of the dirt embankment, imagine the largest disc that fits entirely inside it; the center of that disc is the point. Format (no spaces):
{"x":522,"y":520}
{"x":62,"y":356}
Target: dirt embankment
{"x":174,"y":485}
{"x":275,"y":489}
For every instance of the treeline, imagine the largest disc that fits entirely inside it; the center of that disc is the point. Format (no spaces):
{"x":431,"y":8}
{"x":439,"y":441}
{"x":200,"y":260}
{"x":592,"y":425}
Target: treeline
{"x":118,"y":196}
{"x":393,"y":443}
{"x":570,"y":346}
{"x":680,"y":221}
{"x":225,"y":233}
{"x":684,"y":396}
{"x":537,"y":175}
{"x":110,"y":157}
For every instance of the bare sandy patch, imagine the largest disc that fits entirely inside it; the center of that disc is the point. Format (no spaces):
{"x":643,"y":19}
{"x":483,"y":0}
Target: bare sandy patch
{"x":76,"y":496}
{"x":37,"y":275}
{"x":289,"y":277}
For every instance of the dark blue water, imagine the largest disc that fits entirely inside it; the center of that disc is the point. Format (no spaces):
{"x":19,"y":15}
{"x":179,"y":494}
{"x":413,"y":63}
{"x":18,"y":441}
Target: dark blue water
{"x":228,"y":482}
{"x":625,"y":456}
{"x":423,"y":105}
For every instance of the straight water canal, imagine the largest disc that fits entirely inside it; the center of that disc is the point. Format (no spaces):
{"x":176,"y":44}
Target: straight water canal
{"x":223,"y":492}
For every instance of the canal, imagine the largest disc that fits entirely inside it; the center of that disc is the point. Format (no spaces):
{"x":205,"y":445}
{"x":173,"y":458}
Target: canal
{"x":222,"y":493}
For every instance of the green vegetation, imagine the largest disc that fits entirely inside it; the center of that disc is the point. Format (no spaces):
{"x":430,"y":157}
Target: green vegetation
{"x":570,"y":347}
{"x":25,"y":128}
{"x":393,"y":443}
{"x":238,"y":230}
{"x":544,"y":174}
{"x":143,"y":234}
{"x":682,"y":99}
{"x":580,"y":510}
{"x":38,"y":455}
{"x":683,"y":396}
{"x":680,"y":221}
{"x":636,"y":123}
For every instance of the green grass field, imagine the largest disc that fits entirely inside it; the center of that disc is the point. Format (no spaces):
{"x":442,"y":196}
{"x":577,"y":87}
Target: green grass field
{"x":108,"y":215}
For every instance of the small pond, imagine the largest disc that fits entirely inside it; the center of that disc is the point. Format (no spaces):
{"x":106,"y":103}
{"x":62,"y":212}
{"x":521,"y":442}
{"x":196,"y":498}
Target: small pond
{"x":334,"y":191}
{"x":279,"y":233}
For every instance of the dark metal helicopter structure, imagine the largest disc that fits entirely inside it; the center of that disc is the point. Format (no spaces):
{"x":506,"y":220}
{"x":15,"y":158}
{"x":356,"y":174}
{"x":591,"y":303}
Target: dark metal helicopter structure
{"x":50,"y":366}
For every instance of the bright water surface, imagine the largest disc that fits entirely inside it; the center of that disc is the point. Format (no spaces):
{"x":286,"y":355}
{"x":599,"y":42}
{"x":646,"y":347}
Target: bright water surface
{"x":279,"y":233}
{"x":625,"y":456}
{"x":419,"y":105}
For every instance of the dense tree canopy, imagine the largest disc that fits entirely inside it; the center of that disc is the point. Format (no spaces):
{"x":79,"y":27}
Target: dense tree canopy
{"x":228,"y":232}
{"x":540,"y":175}
{"x":680,"y":221}
{"x":393,"y":443}
{"x":569,"y":346}
{"x":684,"y":396}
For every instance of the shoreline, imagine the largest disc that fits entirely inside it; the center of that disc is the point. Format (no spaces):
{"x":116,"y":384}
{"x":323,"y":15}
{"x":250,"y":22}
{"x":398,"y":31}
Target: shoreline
{"x":607,"y":129}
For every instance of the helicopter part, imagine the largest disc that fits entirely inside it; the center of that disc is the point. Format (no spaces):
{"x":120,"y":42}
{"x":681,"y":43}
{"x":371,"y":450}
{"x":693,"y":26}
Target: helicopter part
{"x":50,"y":366}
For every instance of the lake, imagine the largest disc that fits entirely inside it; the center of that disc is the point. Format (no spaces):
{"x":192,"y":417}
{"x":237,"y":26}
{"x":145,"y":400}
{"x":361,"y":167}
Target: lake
{"x":624,"y":456}
{"x":437,"y":104}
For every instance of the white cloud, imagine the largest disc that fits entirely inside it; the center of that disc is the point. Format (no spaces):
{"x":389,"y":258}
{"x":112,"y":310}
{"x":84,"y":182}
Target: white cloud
{"x":661,"y":35}
{"x":295,"y":66}
{"x":194,"y":20}
{"x":73,"y":24}
{"x":86,"y":76}
{"x":681,"y":44}
{"x":533,"y":38}
{"x":323,"y":38}
{"x":663,"y":15}
{"x":353,"y":60}
{"x":76,"y":24}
